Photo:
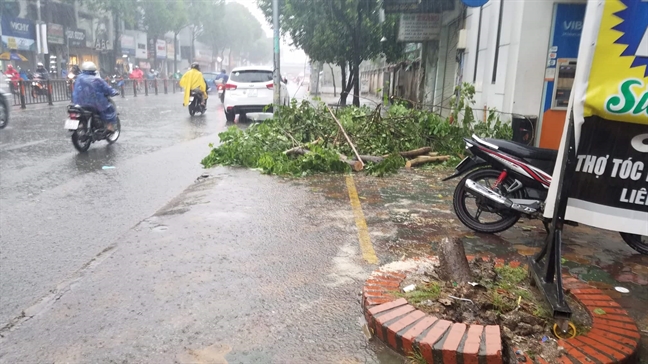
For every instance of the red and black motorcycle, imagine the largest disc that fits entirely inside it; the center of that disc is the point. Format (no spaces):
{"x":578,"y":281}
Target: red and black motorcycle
{"x":506,"y":180}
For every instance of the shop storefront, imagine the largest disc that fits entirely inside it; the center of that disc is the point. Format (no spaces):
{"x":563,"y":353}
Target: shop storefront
{"x":57,"y":48}
{"x":76,"y":47}
{"x":19,"y":42}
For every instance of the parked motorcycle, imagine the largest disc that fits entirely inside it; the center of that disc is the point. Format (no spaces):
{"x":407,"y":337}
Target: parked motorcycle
{"x":195,"y":101}
{"x":507,"y":180}
{"x":87,"y":127}
{"x":221,"y":91}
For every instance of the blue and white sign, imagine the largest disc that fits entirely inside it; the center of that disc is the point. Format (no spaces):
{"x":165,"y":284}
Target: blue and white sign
{"x":474,"y":3}
{"x":18,"y":33}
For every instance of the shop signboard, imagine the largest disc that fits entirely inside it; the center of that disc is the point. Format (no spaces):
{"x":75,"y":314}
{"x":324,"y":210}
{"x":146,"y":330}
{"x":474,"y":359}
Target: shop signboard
{"x":609,"y":189}
{"x":417,"y":6}
{"x":127,"y":43}
{"x":160,"y":49}
{"x":18,"y":33}
{"x":170,"y":48}
{"x":141,"y":50}
{"x":86,"y":25}
{"x":76,"y":37}
{"x":419,"y":27}
{"x":55,"y":34}
{"x":102,"y":34}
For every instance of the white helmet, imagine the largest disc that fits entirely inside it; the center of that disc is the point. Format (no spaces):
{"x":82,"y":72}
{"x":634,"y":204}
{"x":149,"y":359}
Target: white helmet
{"x":89,"y":67}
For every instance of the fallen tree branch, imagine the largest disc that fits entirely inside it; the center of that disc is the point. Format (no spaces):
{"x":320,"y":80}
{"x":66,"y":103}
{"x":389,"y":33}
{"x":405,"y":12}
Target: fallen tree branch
{"x":355,"y":165}
{"x":415,"y":152}
{"x":346,"y":136}
{"x":371,"y":158}
{"x":422,"y":159}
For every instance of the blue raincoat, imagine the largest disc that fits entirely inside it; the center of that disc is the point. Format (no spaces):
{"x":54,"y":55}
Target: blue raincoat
{"x":90,"y":91}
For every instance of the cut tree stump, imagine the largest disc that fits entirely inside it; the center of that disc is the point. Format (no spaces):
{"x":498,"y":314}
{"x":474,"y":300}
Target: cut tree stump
{"x":453,"y":263}
{"x":422,"y":159}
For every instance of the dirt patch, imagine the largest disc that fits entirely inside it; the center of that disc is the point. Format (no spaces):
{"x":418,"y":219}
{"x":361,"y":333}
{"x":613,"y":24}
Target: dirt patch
{"x":499,"y":296}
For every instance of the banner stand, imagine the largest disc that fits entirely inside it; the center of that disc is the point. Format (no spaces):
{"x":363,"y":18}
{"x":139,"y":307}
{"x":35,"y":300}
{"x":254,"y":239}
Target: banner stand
{"x":545,"y":268}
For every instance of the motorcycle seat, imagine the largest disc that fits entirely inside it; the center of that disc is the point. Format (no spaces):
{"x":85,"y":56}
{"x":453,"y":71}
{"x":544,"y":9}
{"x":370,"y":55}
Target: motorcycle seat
{"x":82,"y":110}
{"x":524,"y":151}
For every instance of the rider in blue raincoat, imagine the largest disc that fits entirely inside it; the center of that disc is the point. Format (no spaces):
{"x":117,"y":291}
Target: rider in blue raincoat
{"x":90,"y":91}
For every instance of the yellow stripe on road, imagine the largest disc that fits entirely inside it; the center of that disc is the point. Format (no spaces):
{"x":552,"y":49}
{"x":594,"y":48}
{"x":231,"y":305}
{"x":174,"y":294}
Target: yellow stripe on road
{"x":368,"y":252}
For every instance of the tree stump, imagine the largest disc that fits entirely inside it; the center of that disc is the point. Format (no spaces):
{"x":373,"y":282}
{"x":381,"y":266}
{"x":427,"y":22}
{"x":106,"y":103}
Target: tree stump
{"x":453,"y":263}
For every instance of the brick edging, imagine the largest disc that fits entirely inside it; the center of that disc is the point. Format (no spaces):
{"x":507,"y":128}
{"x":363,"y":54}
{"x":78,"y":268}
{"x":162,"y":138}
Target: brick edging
{"x":614,"y":337}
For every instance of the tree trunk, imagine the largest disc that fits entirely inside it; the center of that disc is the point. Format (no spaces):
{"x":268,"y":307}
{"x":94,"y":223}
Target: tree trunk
{"x":356,"y":59}
{"x":453,"y":263}
{"x":333,"y":77}
{"x":343,"y":90}
{"x":117,"y":44}
{"x":175,"y":52}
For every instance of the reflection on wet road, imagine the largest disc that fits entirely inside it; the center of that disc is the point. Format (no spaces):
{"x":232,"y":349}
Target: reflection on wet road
{"x":61,"y":208}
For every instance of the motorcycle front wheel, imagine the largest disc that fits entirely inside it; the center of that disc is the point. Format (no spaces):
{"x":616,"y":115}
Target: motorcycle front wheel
{"x":475,"y":212}
{"x":192,"y":108}
{"x":4,"y":112}
{"x":81,"y":141}
{"x":112,"y":138}
{"x":636,"y":242}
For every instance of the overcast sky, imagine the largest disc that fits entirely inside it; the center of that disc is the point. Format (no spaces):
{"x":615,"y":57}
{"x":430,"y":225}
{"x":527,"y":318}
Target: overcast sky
{"x":291,"y":55}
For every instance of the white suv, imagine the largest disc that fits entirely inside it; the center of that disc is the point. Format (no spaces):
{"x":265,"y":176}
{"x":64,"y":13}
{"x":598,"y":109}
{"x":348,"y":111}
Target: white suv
{"x":250,"y":90}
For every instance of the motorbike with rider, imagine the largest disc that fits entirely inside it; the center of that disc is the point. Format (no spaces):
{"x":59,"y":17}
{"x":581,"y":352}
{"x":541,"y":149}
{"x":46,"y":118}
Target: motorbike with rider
{"x":39,"y":79}
{"x":195,"y":90}
{"x":92,"y":115}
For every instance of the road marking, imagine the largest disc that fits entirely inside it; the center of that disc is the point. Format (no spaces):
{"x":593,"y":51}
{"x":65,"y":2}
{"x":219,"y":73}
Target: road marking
{"x":368,"y":252}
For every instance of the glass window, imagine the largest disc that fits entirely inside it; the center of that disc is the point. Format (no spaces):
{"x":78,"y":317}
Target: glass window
{"x":251,"y":76}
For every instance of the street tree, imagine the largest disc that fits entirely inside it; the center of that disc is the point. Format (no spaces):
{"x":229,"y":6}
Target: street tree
{"x":342,"y":32}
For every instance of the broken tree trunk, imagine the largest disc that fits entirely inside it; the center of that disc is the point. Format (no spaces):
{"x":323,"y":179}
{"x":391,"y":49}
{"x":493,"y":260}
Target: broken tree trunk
{"x":346,"y":136}
{"x":371,"y":158}
{"x":453,"y":263}
{"x":354,"y":164}
{"x":415,"y":152}
{"x":422,"y":159}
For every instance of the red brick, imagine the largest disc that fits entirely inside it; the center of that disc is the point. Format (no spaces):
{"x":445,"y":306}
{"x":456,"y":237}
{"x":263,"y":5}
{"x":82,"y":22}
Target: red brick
{"x":471,"y":345}
{"x":565,"y":360}
{"x":633,"y":334}
{"x":541,"y":361}
{"x":451,"y":343}
{"x":434,"y":335}
{"x":612,"y":336}
{"x":390,"y":315}
{"x":373,"y":287}
{"x":608,"y":311}
{"x":372,"y":301}
{"x":485,"y":259}
{"x":514,"y":264}
{"x":401,"y":324}
{"x":573,"y":352}
{"x":619,"y":318}
{"x":608,"y":348}
{"x":600,"y":297}
{"x":599,"y":304}
{"x":470,"y":258}
{"x":590,"y":351}
{"x":396,"y":275}
{"x":395,"y":284}
{"x":387,"y":306}
{"x":604,"y":322}
{"x":585,"y":291}
{"x":493,"y":342}
{"x":410,"y":335}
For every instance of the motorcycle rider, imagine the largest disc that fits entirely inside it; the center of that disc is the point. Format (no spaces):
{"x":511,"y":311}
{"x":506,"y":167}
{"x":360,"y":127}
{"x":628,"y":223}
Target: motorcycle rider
{"x":137,"y":75}
{"x":41,"y":72}
{"x":90,"y":91}
{"x":193,"y":79}
{"x":13,"y":76}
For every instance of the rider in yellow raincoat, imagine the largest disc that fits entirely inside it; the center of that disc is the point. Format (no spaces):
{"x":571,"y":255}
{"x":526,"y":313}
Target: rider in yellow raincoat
{"x":193,"y":79}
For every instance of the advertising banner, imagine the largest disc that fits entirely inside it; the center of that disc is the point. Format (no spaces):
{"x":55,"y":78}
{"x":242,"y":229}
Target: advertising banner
{"x":141,"y":50}
{"x":418,"y":6}
{"x":127,"y":44}
{"x":18,"y":33}
{"x":170,"y":49}
{"x":55,"y":34}
{"x":610,"y":185}
{"x":76,"y":37}
{"x":160,"y":49}
{"x":419,"y":27}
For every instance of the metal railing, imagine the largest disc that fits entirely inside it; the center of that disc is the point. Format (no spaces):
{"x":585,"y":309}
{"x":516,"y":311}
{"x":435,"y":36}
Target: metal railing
{"x":49,"y":91}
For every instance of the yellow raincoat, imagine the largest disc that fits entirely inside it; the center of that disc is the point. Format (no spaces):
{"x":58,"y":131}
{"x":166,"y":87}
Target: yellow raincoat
{"x":191,"y":80}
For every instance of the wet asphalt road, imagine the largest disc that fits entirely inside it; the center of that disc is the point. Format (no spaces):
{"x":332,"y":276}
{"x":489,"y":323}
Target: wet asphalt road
{"x":120,"y":265}
{"x":60,"y":208}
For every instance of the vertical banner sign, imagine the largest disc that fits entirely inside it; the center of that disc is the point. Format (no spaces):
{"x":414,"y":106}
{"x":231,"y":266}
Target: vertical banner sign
{"x":610,"y":108}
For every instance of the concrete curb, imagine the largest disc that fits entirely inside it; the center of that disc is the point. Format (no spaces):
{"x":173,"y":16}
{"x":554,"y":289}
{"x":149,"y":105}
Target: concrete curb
{"x":614,"y":337}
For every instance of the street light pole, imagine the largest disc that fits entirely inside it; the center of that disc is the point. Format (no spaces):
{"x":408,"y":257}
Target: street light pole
{"x":276,"y":79}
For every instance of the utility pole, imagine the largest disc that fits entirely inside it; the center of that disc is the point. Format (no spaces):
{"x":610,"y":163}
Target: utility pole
{"x":277,"y":68}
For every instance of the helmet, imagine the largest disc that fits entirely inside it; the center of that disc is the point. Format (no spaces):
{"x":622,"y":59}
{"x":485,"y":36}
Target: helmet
{"x":195,"y":65}
{"x":39,"y":65}
{"x":9,"y":67}
{"x":89,"y":67}
{"x":136,"y":67}
{"x":152,"y":70}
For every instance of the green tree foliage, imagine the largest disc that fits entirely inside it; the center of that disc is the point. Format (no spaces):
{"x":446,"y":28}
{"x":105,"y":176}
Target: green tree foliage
{"x":342,"y":32}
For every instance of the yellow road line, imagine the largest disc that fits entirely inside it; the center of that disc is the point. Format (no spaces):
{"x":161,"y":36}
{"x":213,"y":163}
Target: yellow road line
{"x":368,"y":252}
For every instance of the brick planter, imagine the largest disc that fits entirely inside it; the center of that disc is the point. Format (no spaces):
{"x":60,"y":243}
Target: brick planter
{"x":614,"y":337}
